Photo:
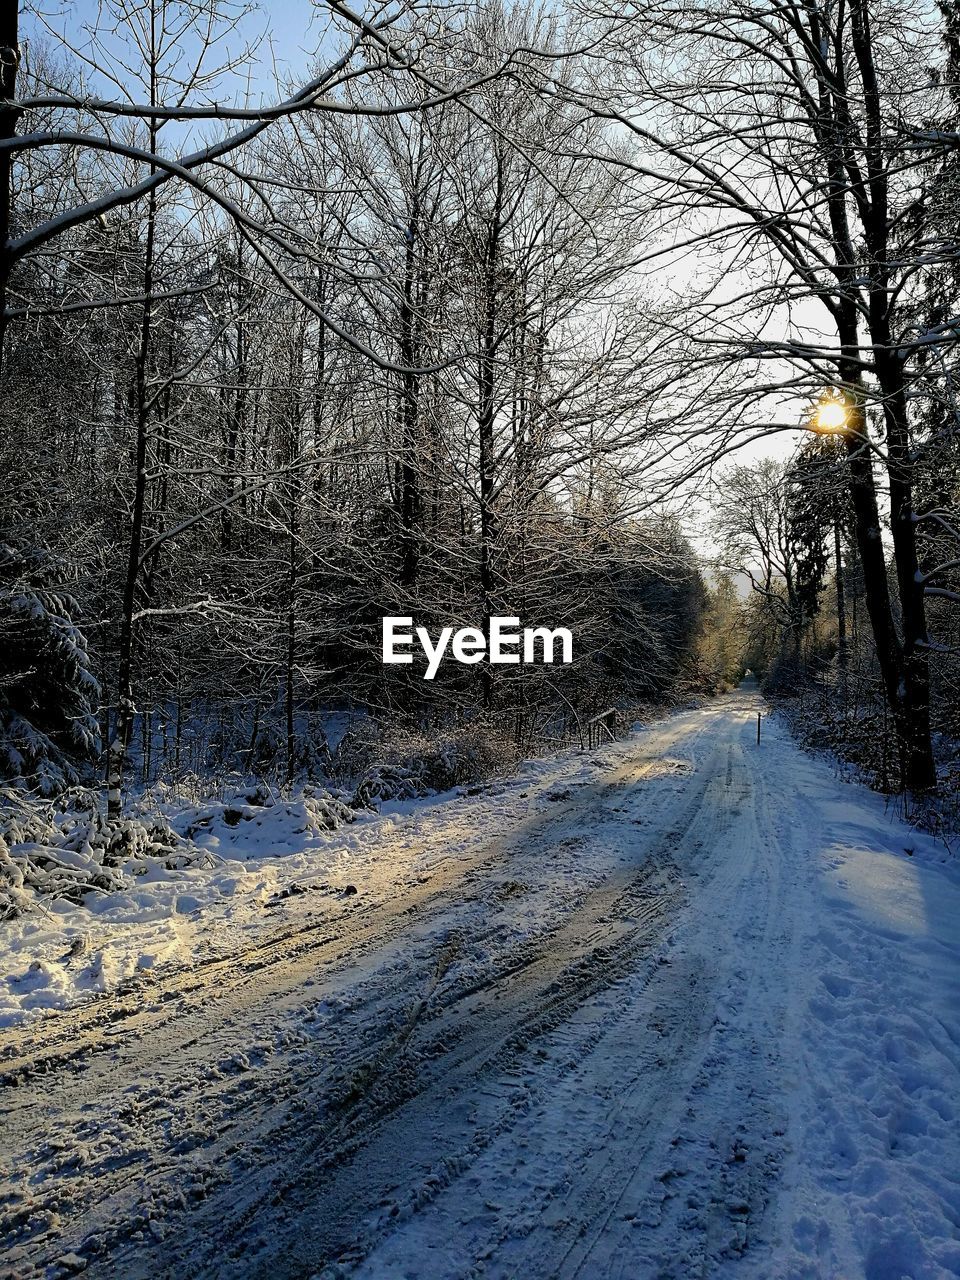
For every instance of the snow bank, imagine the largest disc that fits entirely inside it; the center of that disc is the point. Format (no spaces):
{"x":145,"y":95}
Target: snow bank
{"x":872,"y":1184}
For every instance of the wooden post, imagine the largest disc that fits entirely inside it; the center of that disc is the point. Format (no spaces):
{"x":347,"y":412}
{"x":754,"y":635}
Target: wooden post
{"x":758,"y":728}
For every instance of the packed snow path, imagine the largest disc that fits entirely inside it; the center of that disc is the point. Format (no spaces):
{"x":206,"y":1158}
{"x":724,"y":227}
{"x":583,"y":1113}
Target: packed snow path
{"x":685,"y":1008}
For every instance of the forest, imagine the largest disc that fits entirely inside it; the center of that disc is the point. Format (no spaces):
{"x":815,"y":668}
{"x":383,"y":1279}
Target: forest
{"x":640,"y":322}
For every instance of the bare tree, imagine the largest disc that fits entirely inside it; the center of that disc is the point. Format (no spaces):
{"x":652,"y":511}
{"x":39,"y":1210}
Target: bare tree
{"x":778,"y":151}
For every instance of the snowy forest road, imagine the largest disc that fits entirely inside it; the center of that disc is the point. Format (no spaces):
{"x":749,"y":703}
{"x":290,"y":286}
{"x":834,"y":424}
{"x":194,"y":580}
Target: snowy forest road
{"x":578,"y":1045}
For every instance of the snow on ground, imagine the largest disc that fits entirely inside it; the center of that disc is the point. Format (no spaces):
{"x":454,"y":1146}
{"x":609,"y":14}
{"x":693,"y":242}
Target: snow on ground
{"x":684,"y":1008}
{"x":64,"y":952}
{"x":875,"y":1182}
{"x":813,"y":1132}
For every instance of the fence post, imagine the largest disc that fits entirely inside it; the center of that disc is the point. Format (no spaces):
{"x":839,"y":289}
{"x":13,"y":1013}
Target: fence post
{"x":758,"y":728}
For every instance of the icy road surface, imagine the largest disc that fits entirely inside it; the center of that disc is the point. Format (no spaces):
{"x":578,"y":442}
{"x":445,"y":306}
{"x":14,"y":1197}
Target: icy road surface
{"x":686,"y":1008}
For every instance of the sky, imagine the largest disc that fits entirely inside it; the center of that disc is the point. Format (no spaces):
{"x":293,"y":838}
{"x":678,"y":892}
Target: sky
{"x":289,"y":30}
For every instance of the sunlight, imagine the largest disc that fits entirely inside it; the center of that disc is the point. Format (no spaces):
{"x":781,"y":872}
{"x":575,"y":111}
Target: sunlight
{"x":830,"y":415}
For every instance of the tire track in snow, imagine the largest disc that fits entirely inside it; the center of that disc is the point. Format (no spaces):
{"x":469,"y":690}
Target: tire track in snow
{"x":655,"y":1188}
{"x":224,"y":1151}
{"x":419,"y":1149}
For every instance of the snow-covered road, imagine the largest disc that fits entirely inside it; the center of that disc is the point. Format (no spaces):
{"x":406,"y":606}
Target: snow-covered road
{"x":685,"y":1008}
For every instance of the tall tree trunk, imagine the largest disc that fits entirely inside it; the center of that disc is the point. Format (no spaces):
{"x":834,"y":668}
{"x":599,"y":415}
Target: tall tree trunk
{"x":911,"y":706}
{"x":842,"y":660}
{"x":485,"y":419}
{"x":294,"y":499}
{"x":9,"y":63}
{"x":125,"y":704}
{"x":919,"y":766}
{"x":410,"y":497}
{"x":907,"y":694}
{"x":237,"y":415}
{"x":291,"y":640}
{"x":126,"y":710}
{"x":912,"y":727}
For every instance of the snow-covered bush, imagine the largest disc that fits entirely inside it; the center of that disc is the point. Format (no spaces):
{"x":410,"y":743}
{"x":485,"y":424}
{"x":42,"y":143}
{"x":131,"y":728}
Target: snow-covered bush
{"x":325,"y":812}
{"x":311,"y":811}
{"x":47,"y":691}
{"x":403,"y":765}
{"x":66,"y":852}
{"x":388,"y":782}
